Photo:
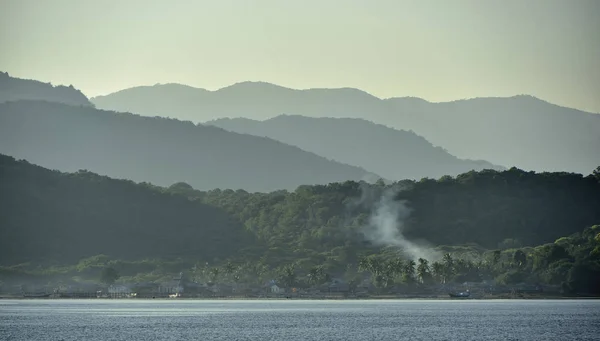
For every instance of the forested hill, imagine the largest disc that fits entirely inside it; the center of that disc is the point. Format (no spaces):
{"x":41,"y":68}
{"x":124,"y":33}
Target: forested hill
{"x":50,"y":216}
{"x":487,"y":208}
{"x":56,"y":216}
{"x":61,"y":224}
{"x":14,"y":89}
{"x":391,"y":153}
{"x":158,"y":150}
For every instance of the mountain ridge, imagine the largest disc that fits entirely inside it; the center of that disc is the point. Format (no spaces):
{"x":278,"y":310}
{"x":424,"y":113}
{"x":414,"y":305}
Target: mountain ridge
{"x":358,"y":90}
{"x":521,"y":130}
{"x":14,"y":89}
{"x":393,"y":154}
{"x":159,"y":150}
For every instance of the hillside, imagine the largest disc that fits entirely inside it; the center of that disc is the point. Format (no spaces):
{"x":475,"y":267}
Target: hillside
{"x":59,"y":222}
{"x":520,"y":131}
{"x":393,"y":154}
{"x":484,"y":208}
{"x":158,"y":150}
{"x":14,"y":89}
{"x":48,"y":216}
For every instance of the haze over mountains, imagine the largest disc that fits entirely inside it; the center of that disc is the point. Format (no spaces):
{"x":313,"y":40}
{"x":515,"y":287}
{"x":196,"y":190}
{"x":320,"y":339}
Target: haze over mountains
{"x":520,"y":131}
{"x":12,"y":89}
{"x":388,"y":152}
{"x":157,"y":150}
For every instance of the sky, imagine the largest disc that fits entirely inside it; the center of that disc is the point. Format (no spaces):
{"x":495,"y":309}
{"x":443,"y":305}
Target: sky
{"x":437,"y":50}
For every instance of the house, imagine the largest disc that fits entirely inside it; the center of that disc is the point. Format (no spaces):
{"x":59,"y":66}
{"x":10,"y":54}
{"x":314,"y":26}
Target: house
{"x":275,"y":289}
{"x":271,"y":287}
{"x":119,"y":290}
{"x":173,"y":287}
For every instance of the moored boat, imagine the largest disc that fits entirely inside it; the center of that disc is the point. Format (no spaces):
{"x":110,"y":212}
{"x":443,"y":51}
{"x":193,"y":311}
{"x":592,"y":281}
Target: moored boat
{"x":460,"y":294}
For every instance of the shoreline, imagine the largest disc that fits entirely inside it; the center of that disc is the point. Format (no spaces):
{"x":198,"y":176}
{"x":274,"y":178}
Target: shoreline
{"x":325,"y":298}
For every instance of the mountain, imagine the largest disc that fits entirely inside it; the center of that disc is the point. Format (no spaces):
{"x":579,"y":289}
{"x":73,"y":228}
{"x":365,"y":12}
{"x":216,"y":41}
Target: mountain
{"x":256,"y":100}
{"x":14,"y":89}
{"x":393,"y":154}
{"x":158,"y":150}
{"x":520,"y":131}
{"x":51,"y":216}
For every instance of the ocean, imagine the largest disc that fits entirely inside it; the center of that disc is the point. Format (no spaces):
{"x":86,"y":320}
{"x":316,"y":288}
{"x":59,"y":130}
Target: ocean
{"x":148,"y":320}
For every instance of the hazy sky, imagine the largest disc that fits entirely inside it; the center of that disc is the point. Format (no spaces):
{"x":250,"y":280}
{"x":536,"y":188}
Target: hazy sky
{"x":438,"y":50}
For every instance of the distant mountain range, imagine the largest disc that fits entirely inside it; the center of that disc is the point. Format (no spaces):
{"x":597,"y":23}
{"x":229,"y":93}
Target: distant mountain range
{"x":520,"y":131}
{"x":159,"y":150}
{"x":57,"y":127}
{"x":394,"y":154}
{"x":14,"y":89}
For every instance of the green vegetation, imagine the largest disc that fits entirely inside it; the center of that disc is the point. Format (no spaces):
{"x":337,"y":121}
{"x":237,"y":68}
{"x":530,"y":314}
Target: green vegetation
{"x":109,"y":275}
{"x":48,"y":217}
{"x":511,"y":227}
{"x":570,"y":263}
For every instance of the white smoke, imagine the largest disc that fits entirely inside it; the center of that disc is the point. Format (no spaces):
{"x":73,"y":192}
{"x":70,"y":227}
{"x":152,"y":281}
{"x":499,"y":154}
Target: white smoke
{"x":386,"y":227}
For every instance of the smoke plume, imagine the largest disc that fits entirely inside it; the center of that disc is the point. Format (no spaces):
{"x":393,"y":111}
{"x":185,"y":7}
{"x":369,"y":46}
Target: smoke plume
{"x":386,"y":227}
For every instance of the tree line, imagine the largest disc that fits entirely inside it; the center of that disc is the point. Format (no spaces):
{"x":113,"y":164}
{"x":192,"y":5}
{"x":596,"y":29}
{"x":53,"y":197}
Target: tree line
{"x":50,"y":219}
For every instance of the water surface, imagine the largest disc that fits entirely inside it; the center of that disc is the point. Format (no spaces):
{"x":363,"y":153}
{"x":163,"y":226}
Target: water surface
{"x":150,"y":320}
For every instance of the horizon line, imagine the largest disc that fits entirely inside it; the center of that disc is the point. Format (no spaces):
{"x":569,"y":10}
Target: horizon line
{"x":340,"y":88}
{"x":309,"y":89}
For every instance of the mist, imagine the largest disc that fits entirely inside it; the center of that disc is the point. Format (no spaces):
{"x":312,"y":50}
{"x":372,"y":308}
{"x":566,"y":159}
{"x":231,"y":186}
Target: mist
{"x":386,"y":227}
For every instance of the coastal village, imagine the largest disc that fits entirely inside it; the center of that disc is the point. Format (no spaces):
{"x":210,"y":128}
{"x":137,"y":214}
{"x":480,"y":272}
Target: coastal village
{"x":336,"y":288}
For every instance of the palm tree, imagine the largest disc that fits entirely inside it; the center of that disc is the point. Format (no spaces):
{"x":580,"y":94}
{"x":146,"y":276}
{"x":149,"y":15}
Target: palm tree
{"x":461,"y":266}
{"x":375,"y":266}
{"x":438,"y":272}
{"x":259,"y":270}
{"x":448,"y":267}
{"x":423,"y":271}
{"x":496,"y":256}
{"x":214,"y":274}
{"x":287,"y":275}
{"x":395,"y":268}
{"x":364,"y":264}
{"x":520,"y":258}
{"x":236,"y":279}
{"x":229,"y":268}
{"x":409,"y":271}
{"x":316,"y":275}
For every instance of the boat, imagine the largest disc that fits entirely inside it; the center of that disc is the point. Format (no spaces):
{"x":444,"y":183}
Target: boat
{"x":461,"y":294}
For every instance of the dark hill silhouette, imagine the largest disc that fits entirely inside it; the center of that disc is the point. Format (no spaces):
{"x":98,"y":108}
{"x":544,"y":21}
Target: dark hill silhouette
{"x":158,"y":150}
{"x":14,"y":89}
{"x":388,"y":152}
{"x":520,"y":131}
{"x":51,"y":216}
